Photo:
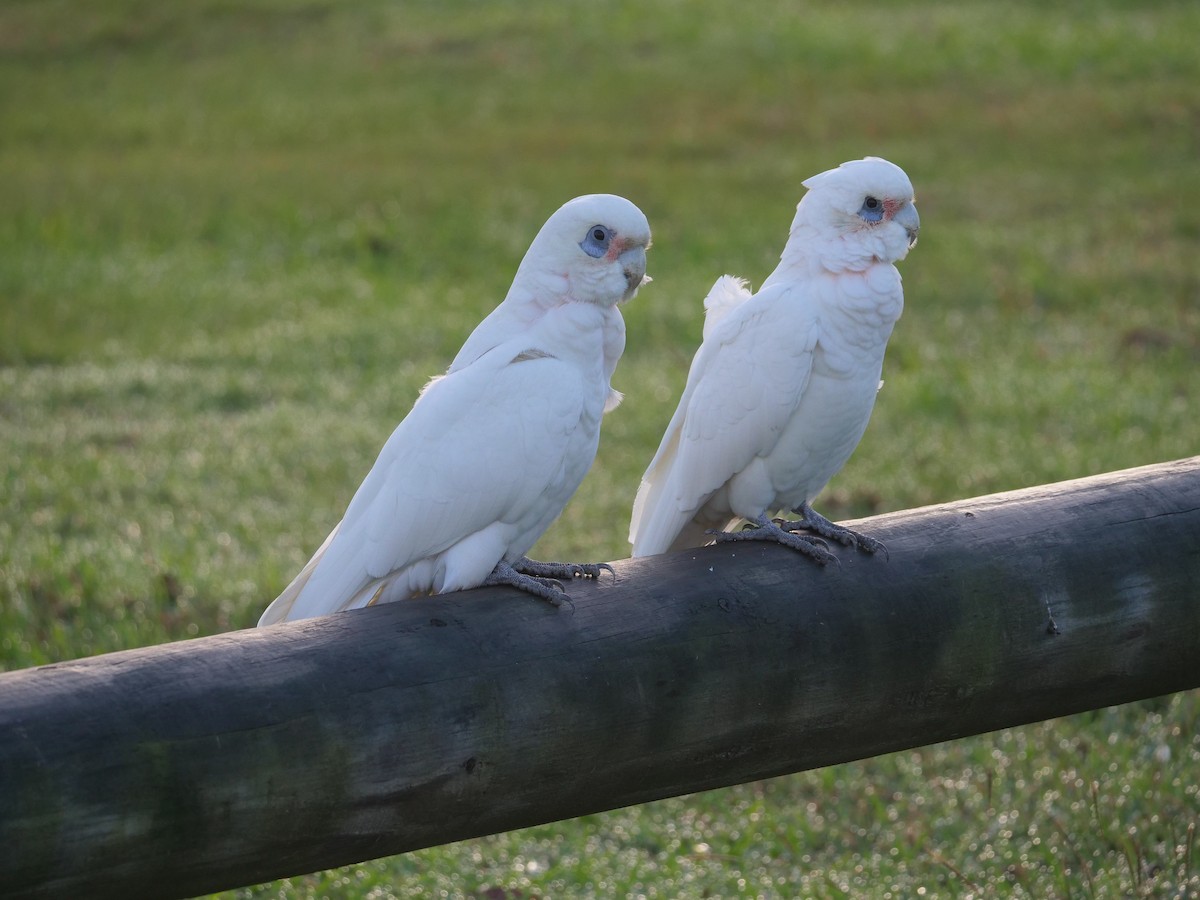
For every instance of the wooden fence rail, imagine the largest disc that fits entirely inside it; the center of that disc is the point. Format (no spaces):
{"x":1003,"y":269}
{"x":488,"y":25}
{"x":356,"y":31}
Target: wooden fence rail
{"x":190,"y":767}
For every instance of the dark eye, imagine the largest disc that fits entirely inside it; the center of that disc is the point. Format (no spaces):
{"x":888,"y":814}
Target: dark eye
{"x":871,"y":210}
{"x":596,"y":242}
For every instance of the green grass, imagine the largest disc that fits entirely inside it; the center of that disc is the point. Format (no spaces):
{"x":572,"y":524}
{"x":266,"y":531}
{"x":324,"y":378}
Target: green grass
{"x":237,"y":237}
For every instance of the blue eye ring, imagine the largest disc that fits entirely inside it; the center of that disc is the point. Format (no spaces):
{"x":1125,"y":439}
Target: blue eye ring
{"x":595,"y":243}
{"x":871,"y":210}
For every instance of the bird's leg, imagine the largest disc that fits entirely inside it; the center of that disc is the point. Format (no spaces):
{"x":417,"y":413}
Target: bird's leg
{"x":546,"y":588}
{"x":812,"y":520}
{"x":766,"y":530}
{"x":527,"y":566}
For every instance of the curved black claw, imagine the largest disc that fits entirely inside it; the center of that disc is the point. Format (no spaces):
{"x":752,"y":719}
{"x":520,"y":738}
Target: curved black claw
{"x":527,"y":566}
{"x":547,"y":589}
{"x":811,"y":520}
{"x":765,"y":530}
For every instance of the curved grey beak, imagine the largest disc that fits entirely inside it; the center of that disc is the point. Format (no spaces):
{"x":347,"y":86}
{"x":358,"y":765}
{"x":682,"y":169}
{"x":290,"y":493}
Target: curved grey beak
{"x":907,"y":216}
{"x":633,"y":265}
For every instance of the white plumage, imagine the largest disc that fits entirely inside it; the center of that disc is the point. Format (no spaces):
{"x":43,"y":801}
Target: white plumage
{"x":493,"y":449}
{"x":782,"y":387}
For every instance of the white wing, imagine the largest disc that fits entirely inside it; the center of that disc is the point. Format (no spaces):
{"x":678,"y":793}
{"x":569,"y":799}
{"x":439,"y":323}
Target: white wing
{"x":519,"y":313}
{"x":507,"y":321}
{"x":485,"y":461}
{"x":745,"y":382}
{"x":727,"y":294}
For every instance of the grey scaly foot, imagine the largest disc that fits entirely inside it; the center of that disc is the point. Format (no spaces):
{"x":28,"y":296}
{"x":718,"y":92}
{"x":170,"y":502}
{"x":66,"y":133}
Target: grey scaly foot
{"x":527,"y":566}
{"x":811,"y":520}
{"x":545,"y":588}
{"x":766,"y":530}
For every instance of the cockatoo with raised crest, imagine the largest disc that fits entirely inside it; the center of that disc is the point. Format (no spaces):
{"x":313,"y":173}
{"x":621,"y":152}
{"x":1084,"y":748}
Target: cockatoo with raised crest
{"x":781,"y":389}
{"x":492,"y":450}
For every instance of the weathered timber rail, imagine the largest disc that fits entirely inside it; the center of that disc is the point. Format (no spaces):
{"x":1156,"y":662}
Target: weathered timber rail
{"x":181,"y":769}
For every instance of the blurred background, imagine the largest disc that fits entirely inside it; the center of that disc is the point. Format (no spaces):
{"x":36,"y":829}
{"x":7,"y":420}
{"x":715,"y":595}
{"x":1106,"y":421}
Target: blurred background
{"x":237,"y":237}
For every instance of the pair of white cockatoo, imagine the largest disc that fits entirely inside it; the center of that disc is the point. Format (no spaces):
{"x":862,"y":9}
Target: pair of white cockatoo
{"x":777,"y":398}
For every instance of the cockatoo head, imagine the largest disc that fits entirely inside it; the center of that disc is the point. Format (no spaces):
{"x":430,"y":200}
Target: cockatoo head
{"x":862,"y":211}
{"x":595,"y":247}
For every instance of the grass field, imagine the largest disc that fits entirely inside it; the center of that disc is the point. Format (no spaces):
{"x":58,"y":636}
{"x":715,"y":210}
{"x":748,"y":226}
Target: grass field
{"x":236,"y":238}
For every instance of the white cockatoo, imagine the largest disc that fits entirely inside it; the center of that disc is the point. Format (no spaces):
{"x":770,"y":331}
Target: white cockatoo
{"x":781,"y":389}
{"x":493,"y":449}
